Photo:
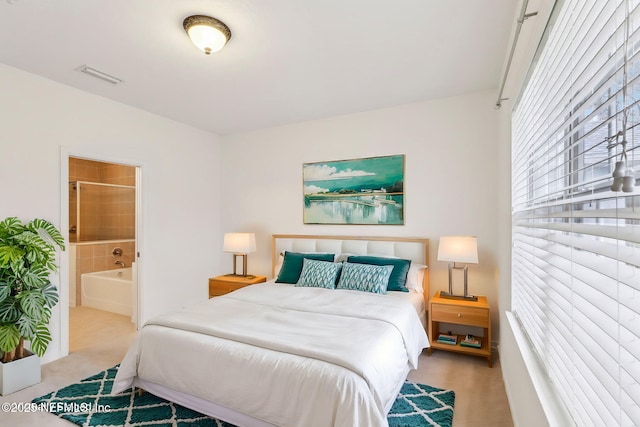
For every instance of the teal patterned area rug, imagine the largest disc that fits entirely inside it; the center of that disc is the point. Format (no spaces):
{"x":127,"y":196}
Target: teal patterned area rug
{"x":88,"y":403}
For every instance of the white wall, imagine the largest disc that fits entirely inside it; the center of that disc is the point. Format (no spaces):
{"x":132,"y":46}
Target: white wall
{"x":451,"y":176}
{"x":180,"y":181}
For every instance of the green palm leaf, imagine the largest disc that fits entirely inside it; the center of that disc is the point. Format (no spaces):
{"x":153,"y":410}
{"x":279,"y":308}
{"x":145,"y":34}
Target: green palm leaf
{"x":35,"y":277}
{"x":9,"y":310}
{"x":17,"y":266}
{"x":9,"y":336}
{"x":5,"y":290}
{"x":41,"y":339}
{"x":46,"y":315}
{"x":9,"y":253}
{"x":27,"y":326}
{"x":50,"y":294}
{"x":10,"y":227}
{"x":37,"y":249}
{"x":32,"y":304}
{"x":48,"y":232}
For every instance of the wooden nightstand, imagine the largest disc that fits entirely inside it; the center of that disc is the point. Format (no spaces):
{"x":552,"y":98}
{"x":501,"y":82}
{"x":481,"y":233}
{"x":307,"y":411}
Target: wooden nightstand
{"x":460,"y":312}
{"x":224,"y":284}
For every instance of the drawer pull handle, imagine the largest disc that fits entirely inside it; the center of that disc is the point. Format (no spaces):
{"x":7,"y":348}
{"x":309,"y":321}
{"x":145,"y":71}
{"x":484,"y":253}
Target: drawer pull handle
{"x":459,"y":315}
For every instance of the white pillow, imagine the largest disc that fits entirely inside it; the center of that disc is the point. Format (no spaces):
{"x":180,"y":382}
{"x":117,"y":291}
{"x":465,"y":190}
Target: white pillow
{"x":343,"y":257}
{"x":415,"y":277}
{"x":277,"y":268}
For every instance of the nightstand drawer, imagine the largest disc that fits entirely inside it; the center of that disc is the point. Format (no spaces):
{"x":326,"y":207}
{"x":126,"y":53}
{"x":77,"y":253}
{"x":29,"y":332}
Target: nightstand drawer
{"x":220,"y":288}
{"x":222,"y":285}
{"x":460,"y":315}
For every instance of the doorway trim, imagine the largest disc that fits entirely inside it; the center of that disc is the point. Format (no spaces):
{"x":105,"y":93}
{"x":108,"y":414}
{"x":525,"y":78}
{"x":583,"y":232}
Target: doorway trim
{"x":63,"y":288}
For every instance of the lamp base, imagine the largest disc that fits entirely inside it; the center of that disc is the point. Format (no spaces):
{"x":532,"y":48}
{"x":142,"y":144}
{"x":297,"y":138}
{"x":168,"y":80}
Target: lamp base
{"x":244,"y":267}
{"x":447,"y":295}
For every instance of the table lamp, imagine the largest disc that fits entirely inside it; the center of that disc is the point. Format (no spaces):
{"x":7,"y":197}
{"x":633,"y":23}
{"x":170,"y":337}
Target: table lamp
{"x":458,"y":249}
{"x":239,"y":244}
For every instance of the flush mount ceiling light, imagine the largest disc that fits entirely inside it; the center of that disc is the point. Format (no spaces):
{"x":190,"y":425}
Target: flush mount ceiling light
{"x":207,"y":33}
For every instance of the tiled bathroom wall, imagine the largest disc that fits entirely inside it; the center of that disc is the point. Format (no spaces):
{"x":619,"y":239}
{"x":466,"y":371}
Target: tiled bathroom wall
{"x":106,"y":173}
{"x":106,"y":213}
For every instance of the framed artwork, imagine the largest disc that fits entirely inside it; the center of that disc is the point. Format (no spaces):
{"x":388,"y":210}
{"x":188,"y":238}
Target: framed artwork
{"x":358,"y":191}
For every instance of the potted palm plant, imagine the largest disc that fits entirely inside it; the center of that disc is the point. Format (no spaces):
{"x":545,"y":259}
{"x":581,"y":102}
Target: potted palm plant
{"x":27,"y":258}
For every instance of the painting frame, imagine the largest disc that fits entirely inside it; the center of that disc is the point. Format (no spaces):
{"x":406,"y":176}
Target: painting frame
{"x":360,"y":191}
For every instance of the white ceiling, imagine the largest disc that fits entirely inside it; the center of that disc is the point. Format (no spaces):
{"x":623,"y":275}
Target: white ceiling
{"x":287,"y":60}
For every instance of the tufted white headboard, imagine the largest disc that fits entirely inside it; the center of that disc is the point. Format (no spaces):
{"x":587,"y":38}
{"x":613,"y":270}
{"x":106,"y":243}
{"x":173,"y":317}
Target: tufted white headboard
{"x":415,"y":249}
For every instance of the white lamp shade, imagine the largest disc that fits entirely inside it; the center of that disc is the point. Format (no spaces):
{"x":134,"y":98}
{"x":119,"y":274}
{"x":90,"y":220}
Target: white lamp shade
{"x":239,"y":243}
{"x":463,"y":249}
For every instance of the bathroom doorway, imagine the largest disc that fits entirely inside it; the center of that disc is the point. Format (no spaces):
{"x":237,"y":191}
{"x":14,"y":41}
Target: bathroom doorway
{"x":103,"y":212}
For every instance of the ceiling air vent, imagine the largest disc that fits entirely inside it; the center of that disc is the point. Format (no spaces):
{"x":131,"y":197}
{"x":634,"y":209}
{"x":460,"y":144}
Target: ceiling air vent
{"x":99,"y":74}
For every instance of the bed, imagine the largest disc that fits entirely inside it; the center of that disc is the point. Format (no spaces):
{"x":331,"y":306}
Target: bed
{"x":281,"y":354}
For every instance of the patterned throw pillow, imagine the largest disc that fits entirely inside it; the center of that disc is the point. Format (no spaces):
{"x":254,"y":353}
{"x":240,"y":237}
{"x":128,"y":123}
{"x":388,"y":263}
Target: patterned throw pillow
{"x":365,"y":277}
{"x":319,"y":274}
{"x":398,"y":278}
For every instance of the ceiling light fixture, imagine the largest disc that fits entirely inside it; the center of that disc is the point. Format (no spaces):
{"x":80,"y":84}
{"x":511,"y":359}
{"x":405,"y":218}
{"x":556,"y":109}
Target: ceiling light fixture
{"x":99,"y":74}
{"x":207,"y":33}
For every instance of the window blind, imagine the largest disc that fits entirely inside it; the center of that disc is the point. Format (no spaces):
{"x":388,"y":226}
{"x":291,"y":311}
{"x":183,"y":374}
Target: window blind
{"x":576,"y":243}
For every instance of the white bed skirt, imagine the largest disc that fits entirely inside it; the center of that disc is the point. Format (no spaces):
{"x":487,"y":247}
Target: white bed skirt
{"x":215,"y":410}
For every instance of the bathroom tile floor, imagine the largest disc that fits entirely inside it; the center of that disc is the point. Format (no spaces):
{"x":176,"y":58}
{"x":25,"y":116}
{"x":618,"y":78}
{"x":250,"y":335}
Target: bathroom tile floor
{"x":92,"y":330}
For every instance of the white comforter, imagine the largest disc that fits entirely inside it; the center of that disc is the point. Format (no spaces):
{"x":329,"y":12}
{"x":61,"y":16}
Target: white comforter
{"x":288,"y":356}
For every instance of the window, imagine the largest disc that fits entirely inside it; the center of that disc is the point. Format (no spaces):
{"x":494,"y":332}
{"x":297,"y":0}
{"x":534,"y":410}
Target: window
{"x":576,"y":243}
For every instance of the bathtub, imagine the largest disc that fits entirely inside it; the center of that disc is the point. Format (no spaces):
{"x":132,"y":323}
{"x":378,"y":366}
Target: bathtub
{"x":110,"y":290}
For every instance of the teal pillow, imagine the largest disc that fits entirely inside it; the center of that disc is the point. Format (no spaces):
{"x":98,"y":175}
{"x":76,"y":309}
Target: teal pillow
{"x":319,"y":274}
{"x":292,"y":265}
{"x":398,"y":277}
{"x":365,"y":277}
